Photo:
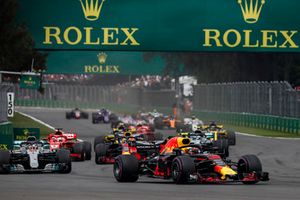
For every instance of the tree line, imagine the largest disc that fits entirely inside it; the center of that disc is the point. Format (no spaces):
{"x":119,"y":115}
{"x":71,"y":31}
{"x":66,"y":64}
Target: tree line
{"x":17,"y":49}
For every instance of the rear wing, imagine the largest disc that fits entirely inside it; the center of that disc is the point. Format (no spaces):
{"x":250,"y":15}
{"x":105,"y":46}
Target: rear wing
{"x":70,"y":136}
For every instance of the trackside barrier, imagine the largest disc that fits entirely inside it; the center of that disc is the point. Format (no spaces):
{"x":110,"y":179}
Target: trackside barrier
{"x":268,"y":122}
{"x":6,"y":135}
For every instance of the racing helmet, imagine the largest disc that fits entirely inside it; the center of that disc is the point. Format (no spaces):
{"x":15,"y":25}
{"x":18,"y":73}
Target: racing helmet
{"x":58,"y":132}
{"x":31,"y":139}
{"x":213,"y":125}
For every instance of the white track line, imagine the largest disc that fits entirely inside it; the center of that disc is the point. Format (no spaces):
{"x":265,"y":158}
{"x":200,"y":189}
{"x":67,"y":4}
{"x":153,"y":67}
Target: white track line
{"x":60,"y":109}
{"x":259,"y":136}
{"x":37,"y":120}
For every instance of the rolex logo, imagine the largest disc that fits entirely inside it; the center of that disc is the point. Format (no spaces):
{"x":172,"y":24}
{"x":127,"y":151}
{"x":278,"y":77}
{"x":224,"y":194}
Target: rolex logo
{"x":102,"y":57}
{"x":91,"y":9}
{"x":251,"y":9}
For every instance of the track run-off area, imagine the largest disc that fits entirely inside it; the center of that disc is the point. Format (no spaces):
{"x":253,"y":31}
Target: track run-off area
{"x":280,"y":157}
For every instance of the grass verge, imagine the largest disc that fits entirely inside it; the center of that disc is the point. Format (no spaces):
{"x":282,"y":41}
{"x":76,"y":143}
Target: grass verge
{"x":21,"y":121}
{"x":260,"y":132}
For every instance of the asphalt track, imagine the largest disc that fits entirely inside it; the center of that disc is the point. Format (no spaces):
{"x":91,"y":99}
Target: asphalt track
{"x":90,"y":181}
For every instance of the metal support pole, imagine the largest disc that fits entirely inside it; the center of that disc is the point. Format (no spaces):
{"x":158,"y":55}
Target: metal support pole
{"x":270,"y":101}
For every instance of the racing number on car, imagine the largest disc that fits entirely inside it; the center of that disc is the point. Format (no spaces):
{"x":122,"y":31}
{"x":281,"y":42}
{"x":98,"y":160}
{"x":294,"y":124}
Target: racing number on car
{"x":10,"y":104}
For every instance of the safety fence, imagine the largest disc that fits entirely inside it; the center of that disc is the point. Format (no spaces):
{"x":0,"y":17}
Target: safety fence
{"x":267,"y":122}
{"x":272,"y":106}
{"x":275,"y":98}
{"x":273,"y":123}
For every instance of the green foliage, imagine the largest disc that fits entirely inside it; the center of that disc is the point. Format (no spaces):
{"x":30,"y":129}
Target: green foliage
{"x":17,"y":45}
{"x":20,"y":121}
{"x":234,"y":67}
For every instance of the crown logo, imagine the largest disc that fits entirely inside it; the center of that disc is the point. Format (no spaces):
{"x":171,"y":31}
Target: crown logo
{"x":102,"y":57}
{"x":251,"y":9}
{"x":91,"y":9}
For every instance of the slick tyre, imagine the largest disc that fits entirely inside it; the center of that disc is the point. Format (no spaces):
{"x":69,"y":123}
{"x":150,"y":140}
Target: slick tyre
{"x":85,"y":115}
{"x":78,"y":148}
{"x":249,"y":164}
{"x":87,"y":150}
{"x":223,"y":147}
{"x":182,"y":168}
{"x":4,"y":157}
{"x":4,"y":160}
{"x":113,"y":117}
{"x":98,"y":140}
{"x":68,"y":115}
{"x":158,"y":123}
{"x":231,"y":138}
{"x":126,"y":168}
{"x":63,"y":158}
{"x":100,"y":152}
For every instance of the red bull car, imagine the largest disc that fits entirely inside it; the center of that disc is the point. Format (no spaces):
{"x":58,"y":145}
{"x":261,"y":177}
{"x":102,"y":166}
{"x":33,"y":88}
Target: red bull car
{"x":184,"y":163}
{"x":79,"y":150}
{"x":110,"y":146}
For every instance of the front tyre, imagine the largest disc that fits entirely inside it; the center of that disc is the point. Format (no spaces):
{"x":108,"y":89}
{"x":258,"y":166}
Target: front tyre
{"x":249,"y":164}
{"x":182,"y":168}
{"x":100,"y":153}
{"x":126,"y":168}
{"x":4,"y":160}
{"x":63,"y":158}
{"x":88,"y":150}
{"x":231,"y":138}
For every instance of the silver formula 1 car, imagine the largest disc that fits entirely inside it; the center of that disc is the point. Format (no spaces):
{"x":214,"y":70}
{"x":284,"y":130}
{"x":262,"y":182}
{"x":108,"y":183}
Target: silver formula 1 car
{"x":34,"y":156}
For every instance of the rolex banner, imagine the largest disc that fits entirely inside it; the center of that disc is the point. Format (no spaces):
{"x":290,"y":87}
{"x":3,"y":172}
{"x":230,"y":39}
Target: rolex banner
{"x":94,"y":62}
{"x":164,"y":25}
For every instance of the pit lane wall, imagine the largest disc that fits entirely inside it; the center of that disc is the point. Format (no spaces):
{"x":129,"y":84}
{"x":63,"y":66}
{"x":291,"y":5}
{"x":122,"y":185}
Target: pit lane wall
{"x":268,"y":122}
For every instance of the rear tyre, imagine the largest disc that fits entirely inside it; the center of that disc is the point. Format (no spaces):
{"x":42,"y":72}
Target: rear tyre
{"x":88,"y":150}
{"x":68,"y":115}
{"x":63,"y":158}
{"x":180,"y":128}
{"x":248,"y":164}
{"x":159,"y":123}
{"x":223,"y":147}
{"x":78,"y":148}
{"x":98,"y":140}
{"x":115,"y":123}
{"x":231,"y":138}
{"x":126,"y":168}
{"x":100,"y":153}
{"x":182,"y":168}
{"x":4,"y":160}
{"x":113,"y":117}
{"x":85,"y":115}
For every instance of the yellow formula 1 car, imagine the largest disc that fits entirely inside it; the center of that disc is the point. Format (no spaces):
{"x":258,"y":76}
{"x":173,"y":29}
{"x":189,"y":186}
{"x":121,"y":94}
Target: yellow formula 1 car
{"x":217,"y":132}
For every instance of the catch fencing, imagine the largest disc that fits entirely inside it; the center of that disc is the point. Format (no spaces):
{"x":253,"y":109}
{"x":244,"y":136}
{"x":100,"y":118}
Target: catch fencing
{"x":275,"y":98}
{"x":273,"y":106}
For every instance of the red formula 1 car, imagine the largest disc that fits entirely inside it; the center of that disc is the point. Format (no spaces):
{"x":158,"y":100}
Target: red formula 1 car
{"x":79,"y":150}
{"x":184,"y":163}
{"x":146,"y":131}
